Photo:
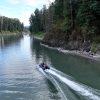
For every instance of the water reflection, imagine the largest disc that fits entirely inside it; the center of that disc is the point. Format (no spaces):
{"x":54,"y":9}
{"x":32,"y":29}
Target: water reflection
{"x":39,"y":52}
{"x":2,"y":42}
{"x":8,"y":40}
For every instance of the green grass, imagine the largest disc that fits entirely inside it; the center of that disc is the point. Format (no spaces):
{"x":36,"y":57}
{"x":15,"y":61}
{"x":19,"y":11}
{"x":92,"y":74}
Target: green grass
{"x":8,"y":33}
{"x":39,"y":35}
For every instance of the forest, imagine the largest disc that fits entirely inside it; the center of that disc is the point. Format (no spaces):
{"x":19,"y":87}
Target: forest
{"x":71,"y":24}
{"x":10,"y":25}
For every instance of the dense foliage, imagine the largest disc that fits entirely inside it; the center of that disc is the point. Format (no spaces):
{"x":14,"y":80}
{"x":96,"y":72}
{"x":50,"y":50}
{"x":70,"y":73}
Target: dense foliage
{"x":68,"y":20}
{"x":10,"y":24}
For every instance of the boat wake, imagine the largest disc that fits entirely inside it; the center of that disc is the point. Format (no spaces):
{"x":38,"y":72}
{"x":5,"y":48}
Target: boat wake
{"x":81,"y":89}
{"x":52,"y":79}
{"x":87,"y":92}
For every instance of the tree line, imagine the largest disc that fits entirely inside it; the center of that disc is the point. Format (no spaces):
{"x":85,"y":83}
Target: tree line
{"x":68,"y":20}
{"x":10,"y":24}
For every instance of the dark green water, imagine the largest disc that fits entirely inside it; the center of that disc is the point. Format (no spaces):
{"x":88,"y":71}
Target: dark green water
{"x":71,"y":77}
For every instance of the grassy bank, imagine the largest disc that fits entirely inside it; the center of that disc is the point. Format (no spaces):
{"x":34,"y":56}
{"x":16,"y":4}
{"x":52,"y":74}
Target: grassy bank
{"x":39,"y":35}
{"x":8,"y":33}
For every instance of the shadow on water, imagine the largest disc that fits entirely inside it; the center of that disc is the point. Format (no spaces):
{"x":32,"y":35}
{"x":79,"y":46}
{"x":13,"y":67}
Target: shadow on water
{"x":51,"y":86}
{"x":53,"y":90}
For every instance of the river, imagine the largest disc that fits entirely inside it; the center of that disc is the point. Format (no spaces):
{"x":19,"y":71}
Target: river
{"x":70,"y":77}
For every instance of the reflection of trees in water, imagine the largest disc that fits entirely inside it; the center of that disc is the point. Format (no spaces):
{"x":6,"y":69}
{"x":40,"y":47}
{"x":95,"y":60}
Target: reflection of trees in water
{"x":1,"y":42}
{"x":6,"y":40}
{"x":38,"y":51}
{"x":43,"y":54}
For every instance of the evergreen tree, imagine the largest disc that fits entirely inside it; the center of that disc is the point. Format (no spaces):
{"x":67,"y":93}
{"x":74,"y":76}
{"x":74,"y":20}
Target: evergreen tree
{"x":10,"y":24}
{"x":76,"y":19}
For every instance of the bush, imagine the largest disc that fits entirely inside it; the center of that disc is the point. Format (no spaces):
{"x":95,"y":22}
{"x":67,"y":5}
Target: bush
{"x":97,"y":39}
{"x":94,"y":47}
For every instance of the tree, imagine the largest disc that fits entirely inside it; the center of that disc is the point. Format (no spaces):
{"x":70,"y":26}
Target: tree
{"x":74,"y":19}
{"x":10,"y":24}
{"x":58,"y":9}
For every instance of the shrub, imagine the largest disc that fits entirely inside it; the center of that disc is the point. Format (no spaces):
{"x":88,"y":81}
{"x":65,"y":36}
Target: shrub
{"x":94,"y":47}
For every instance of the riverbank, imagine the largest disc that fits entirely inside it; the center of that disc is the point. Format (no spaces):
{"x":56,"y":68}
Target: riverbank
{"x":4,"y":34}
{"x":89,"y":55}
{"x":39,"y":36}
{"x":84,"y":54}
{"x":9,"y":34}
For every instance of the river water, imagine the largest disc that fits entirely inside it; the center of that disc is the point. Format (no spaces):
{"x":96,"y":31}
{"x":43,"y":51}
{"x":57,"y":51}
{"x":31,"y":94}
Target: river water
{"x":70,"y":77}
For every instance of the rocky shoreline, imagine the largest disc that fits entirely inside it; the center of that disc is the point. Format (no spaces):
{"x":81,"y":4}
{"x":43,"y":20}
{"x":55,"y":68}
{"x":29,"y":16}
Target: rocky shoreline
{"x":84,"y":54}
{"x":89,"y":55}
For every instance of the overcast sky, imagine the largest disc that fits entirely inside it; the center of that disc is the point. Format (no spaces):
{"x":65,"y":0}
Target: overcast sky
{"x":21,"y":9}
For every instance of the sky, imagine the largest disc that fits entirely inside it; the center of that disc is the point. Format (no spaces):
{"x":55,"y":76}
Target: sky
{"x":21,"y":9}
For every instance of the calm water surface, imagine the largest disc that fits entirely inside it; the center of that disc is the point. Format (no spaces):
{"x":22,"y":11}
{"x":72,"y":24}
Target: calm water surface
{"x":70,"y":78}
